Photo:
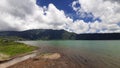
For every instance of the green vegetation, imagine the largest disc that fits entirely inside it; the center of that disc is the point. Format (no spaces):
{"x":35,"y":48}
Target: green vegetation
{"x":12,"y":48}
{"x":49,"y":34}
{"x":39,"y":34}
{"x":12,"y":38}
{"x":67,"y":36}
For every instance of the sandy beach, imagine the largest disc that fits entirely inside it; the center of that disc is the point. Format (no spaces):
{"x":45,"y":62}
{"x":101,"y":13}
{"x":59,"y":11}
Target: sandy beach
{"x":56,"y":60}
{"x":52,"y":57}
{"x":58,"y":56}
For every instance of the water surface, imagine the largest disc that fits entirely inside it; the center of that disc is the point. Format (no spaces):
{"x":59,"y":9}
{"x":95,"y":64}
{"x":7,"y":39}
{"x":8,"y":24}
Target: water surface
{"x":91,"y":54}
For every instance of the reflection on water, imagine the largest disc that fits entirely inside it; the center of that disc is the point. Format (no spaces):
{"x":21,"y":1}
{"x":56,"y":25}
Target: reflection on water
{"x":92,"y":54}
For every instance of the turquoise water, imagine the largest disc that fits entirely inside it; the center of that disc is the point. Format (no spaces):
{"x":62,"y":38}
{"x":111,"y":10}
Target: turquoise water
{"x":100,"y":54}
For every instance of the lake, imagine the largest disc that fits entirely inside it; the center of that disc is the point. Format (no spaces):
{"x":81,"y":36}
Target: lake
{"x":83,"y":53}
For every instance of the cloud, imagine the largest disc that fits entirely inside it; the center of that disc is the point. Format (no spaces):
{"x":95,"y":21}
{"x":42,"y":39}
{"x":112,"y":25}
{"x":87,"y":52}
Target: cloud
{"x":21,"y":15}
{"x":117,"y":1}
{"x":107,"y":10}
{"x":25,"y":14}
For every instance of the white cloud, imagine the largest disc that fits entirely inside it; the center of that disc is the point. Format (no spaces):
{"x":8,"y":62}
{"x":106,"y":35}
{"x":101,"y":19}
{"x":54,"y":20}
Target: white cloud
{"x":25,"y":14}
{"x":79,"y":26}
{"x":107,"y":10}
{"x":74,"y":5}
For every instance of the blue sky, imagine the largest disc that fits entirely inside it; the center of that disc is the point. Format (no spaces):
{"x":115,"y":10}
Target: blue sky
{"x":66,"y":6}
{"x":78,"y":16}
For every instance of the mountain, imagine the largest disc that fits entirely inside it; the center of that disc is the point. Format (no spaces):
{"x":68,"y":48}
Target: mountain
{"x":48,"y":34}
{"x":40,"y":34}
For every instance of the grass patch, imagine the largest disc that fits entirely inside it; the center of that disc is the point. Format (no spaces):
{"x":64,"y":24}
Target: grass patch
{"x":12,"y":48}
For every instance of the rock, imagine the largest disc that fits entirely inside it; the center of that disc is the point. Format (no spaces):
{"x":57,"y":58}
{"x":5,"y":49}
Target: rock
{"x":51,"y":56}
{"x":3,"y":57}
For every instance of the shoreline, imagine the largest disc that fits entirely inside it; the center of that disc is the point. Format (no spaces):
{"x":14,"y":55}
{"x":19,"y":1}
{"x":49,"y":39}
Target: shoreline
{"x":17,"y":59}
{"x":69,"y":57}
{"x":64,"y":61}
{"x":45,"y":60}
{"x":42,"y":62}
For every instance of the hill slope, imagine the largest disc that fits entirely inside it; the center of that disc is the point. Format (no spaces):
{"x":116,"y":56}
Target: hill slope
{"x":47,"y":34}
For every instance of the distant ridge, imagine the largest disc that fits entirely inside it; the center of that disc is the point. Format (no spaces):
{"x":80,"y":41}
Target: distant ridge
{"x":48,"y":34}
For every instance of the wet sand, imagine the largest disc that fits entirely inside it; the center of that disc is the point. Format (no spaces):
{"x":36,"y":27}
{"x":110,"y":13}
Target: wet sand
{"x":36,"y":62}
{"x":69,"y":59}
{"x":60,"y":60}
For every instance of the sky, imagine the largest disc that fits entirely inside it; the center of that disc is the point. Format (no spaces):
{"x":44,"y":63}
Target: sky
{"x":78,"y":16}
